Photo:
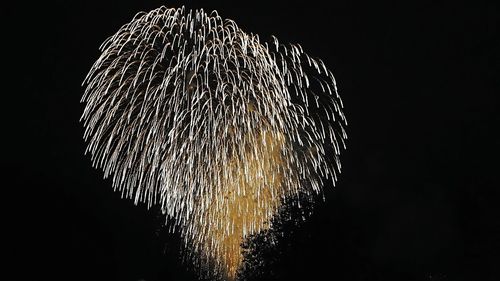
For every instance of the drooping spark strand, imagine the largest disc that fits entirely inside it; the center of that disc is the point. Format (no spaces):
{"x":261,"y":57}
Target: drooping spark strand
{"x":187,"y":111}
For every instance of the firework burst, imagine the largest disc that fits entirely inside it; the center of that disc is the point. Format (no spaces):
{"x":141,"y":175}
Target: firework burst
{"x":187,"y":111}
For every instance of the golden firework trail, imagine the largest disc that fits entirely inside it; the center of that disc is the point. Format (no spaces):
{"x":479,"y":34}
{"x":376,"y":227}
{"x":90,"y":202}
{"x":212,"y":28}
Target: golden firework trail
{"x":187,"y":111}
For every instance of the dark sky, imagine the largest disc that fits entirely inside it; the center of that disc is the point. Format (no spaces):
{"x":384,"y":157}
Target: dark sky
{"x":418,"y":194}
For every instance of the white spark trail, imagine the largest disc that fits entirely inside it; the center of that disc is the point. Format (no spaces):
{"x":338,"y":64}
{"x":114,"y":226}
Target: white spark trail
{"x":187,"y":111}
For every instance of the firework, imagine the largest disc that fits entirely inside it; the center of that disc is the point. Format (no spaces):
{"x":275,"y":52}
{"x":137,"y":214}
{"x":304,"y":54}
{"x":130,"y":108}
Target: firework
{"x":186,"y":111}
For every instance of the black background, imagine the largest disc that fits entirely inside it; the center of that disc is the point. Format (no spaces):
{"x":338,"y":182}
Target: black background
{"x":419,"y":188}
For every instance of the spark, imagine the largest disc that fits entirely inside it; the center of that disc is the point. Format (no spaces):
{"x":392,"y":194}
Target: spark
{"x":186,"y":111}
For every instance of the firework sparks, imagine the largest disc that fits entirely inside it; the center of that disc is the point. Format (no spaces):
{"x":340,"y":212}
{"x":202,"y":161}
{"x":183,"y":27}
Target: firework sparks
{"x":186,"y":111}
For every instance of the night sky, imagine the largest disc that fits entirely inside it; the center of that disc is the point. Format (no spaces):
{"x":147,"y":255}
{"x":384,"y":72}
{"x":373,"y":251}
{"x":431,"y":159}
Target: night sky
{"x":418,"y":194}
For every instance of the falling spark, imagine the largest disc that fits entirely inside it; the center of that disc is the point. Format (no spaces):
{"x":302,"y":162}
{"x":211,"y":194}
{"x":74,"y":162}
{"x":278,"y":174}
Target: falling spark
{"x":186,"y":111}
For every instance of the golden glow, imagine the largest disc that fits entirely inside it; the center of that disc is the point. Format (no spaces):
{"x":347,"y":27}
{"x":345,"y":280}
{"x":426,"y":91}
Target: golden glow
{"x":249,"y":202}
